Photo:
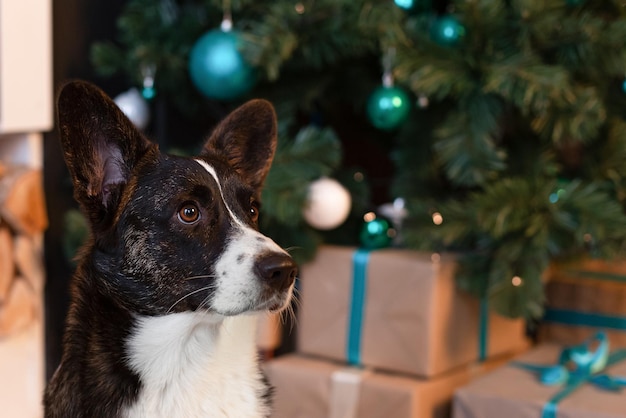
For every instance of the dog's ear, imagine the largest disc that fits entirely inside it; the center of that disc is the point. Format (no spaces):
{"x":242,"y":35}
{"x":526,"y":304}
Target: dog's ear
{"x":100,"y":146}
{"x":247,"y":139}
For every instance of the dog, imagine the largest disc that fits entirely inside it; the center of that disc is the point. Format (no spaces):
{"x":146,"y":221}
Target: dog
{"x":168,"y":287}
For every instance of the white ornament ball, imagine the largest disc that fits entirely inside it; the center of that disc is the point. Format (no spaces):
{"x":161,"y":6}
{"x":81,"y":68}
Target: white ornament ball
{"x":134,"y":106}
{"x":328,"y":204}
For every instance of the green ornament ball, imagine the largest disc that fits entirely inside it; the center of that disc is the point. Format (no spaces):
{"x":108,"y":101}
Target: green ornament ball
{"x":376,"y":233}
{"x":388,"y":107}
{"x":447,"y":31}
{"x":217,"y":68}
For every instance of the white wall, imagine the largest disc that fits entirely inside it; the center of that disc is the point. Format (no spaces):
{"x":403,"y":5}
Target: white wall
{"x":26,"y":110}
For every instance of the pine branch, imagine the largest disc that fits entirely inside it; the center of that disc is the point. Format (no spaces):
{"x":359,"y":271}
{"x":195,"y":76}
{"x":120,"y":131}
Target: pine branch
{"x":430,"y":71}
{"x":465,"y":143}
{"x":314,"y":153}
{"x":578,"y":117}
{"x":527,"y":83}
{"x":611,"y":163}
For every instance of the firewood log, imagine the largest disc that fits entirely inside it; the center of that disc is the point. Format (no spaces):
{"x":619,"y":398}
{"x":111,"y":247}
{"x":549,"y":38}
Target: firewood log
{"x":22,"y":203}
{"x":7,"y":270}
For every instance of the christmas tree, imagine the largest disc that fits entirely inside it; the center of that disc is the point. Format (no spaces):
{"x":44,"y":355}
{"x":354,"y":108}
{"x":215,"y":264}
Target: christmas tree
{"x":513,"y":154}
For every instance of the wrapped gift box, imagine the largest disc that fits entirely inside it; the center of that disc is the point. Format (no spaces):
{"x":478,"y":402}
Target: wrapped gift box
{"x":583,"y":297}
{"x":269,"y":332}
{"x":513,"y":392}
{"x":414,"y":319}
{"x":312,"y":388}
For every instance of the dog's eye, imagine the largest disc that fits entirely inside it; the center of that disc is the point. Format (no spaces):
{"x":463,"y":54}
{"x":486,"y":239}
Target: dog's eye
{"x":189,"y":213}
{"x":254,"y":210}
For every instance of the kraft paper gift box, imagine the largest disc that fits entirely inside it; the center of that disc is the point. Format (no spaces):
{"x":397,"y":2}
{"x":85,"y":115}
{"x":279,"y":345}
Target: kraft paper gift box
{"x":585,"y":296}
{"x":269,"y":332}
{"x":513,"y":392}
{"x":412,"y":317}
{"x":312,"y":388}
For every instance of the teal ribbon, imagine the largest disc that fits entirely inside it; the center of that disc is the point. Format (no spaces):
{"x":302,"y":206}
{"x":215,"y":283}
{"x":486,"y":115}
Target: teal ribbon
{"x":360,"y":260}
{"x":576,"y":366}
{"x":600,"y":275}
{"x":569,"y":317}
{"x":483,"y":329}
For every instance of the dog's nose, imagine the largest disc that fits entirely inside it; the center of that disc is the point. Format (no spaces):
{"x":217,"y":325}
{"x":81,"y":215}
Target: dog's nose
{"x":277,"y":270}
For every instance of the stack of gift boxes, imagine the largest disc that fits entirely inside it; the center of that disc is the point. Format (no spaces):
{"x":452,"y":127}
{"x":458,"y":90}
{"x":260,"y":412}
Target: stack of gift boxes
{"x":386,"y":334}
{"x":578,"y":369}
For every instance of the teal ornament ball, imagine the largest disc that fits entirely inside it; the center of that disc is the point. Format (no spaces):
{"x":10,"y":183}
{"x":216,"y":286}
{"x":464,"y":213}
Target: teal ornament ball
{"x":217,"y":68}
{"x":414,"y":6}
{"x":388,"y":107}
{"x":447,"y":31}
{"x":376,"y":233}
{"x":624,"y":85}
{"x":405,"y":4}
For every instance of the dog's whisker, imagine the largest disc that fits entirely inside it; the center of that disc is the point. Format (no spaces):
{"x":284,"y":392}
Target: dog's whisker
{"x":291,"y":249}
{"x":296,"y":302}
{"x":201,"y":276}
{"x":202,"y":289}
{"x":284,"y":315}
{"x":296,"y":298}
{"x":205,"y":302}
{"x":290,"y":317}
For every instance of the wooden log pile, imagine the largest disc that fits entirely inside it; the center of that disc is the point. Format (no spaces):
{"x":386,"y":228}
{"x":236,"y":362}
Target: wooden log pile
{"x":22,"y":221}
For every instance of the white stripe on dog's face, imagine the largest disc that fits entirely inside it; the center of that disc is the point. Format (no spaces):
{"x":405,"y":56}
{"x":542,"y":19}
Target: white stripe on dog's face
{"x":238,"y":288}
{"x":213,"y":174}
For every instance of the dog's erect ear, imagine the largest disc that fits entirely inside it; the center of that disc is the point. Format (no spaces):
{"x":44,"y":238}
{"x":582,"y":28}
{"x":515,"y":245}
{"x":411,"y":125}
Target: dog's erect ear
{"x":100,"y":145}
{"x":247,"y":138}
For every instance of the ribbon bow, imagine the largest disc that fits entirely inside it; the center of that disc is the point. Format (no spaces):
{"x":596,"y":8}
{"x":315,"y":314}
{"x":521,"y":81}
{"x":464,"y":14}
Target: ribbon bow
{"x":576,"y":366}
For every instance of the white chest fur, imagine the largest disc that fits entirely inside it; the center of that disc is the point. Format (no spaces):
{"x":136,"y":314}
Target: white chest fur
{"x":194,"y":365}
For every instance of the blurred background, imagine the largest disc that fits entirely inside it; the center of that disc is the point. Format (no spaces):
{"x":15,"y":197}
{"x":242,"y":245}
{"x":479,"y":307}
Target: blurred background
{"x":468,"y":156}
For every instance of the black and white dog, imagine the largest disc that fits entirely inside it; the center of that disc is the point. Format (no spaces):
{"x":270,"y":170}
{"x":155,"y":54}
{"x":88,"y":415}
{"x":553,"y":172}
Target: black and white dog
{"x":165,"y":296}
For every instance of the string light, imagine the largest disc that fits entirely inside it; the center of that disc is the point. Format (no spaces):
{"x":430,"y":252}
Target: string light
{"x":516,"y":281}
{"x":422,"y":101}
{"x":437,"y":218}
{"x":369,"y":216}
{"x":554,"y":197}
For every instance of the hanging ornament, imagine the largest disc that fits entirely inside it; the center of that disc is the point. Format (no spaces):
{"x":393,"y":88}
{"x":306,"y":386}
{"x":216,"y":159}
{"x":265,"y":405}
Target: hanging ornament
{"x":396,"y":212}
{"x":624,"y":85}
{"x":217,"y":68}
{"x":388,"y":106}
{"x":446,"y":30}
{"x":147,"y":72}
{"x":376,"y":232}
{"x":404,"y":4}
{"x":135,"y":107}
{"x":414,"y":6}
{"x":559,"y":191}
{"x":328,"y":204}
